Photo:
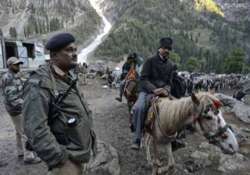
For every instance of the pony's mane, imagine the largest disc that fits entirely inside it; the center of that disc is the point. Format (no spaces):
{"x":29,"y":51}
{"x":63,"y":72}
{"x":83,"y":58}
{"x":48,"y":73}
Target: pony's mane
{"x":173,"y":113}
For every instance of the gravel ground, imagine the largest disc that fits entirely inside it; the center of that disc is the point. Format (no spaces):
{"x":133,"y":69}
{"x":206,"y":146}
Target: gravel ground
{"x":111,"y":125}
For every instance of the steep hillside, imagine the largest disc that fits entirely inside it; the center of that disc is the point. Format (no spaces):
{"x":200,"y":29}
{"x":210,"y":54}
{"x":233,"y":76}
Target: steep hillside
{"x":33,"y":18}
{"x":235,"y":10}
{"x":203,"y":29}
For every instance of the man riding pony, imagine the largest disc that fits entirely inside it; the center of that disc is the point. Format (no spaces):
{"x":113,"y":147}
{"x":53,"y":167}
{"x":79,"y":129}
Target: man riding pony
{"x":155,"y":80}
{"x":128,"y":70}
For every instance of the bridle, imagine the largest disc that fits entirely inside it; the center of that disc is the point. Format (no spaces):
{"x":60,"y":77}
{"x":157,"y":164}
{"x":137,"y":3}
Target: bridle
{"x":212,"y":137}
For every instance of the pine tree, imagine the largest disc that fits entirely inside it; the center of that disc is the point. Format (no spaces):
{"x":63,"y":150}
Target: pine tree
{"x":235,"y":61}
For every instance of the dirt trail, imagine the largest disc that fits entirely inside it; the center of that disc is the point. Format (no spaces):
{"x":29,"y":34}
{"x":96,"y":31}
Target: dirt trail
{"x":111,"y":125}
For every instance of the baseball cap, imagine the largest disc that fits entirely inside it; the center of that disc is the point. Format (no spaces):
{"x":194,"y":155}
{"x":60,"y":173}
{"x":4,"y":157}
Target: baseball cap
{"x":13,"y":60}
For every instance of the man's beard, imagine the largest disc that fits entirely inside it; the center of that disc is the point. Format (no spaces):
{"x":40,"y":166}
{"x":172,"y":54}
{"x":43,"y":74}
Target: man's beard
{"x":15,"y":70}
{"x":165,"y":55}
{"x":73,"y":63}
{"x":72,"y":66}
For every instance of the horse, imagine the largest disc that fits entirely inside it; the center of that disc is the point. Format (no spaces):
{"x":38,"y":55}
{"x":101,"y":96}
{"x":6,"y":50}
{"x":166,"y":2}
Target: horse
{"x":202,"y":109}
{"x":130,"y":91}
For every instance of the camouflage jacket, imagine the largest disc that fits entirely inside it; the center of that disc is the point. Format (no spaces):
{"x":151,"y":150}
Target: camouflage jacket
{"x":13,"y":93}
{"x":49,"y":125}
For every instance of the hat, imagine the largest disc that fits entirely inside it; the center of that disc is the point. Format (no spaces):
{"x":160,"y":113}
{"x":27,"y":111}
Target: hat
{"x":13,"y":60}
{"x":59,"y":41}
{"x":166,"y":43}
{"x":132,"y":56}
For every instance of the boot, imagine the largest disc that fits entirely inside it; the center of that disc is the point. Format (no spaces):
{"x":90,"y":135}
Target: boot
{"x":31,"y":158}
{"x":119,"y":99}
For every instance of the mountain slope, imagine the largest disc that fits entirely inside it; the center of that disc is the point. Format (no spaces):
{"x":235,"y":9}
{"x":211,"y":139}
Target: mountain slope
{"x":33,"y":18}
{"x":200,"y":28}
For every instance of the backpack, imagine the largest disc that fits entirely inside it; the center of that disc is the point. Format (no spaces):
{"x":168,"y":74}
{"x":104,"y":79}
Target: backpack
{"x":178,"y":86}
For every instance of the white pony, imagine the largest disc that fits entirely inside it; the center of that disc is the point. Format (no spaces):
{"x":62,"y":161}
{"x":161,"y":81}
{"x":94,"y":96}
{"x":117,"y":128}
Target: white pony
{"x":201,"y":109}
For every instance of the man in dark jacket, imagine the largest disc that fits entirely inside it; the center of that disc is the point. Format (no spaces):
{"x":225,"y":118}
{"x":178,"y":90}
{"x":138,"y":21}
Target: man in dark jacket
{"x":155,"y":80}
{"x":58,"y":122}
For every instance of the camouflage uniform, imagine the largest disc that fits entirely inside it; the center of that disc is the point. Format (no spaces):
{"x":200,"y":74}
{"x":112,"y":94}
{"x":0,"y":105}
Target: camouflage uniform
{"x":13,"y":93}
{"x":13,"y":99}
{"x":48,"y":125}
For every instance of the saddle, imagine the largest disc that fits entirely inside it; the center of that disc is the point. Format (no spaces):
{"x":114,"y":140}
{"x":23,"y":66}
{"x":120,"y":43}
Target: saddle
{"x":153,"y":114}
{"x":130,"y":90}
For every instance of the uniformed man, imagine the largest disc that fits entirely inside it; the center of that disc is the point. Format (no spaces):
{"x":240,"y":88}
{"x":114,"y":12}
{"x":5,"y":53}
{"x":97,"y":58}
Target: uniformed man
{"x":12,"y":85}
{"x":58,"y":121}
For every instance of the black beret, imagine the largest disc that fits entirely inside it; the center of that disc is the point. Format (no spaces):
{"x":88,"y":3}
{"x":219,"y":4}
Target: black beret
{"x":59,"y":41}
{"x":166,"y":43}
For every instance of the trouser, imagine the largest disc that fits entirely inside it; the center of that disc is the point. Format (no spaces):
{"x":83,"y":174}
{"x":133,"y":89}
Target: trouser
{"x":21,"y":139}
{"x":68,"y":168}
{"x":139,"y":112}
{"x":122,"y":86}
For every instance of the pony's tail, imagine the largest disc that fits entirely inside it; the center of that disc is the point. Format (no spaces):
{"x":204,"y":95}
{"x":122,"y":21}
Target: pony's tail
{"x":148,"y":141}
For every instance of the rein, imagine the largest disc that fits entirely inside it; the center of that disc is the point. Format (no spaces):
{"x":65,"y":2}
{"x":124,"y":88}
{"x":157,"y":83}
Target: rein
{"x":212,"y":137}
{"x":158,"y":121}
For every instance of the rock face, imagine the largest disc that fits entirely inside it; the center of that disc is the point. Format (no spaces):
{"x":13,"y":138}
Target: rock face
{"x":142,"y":23}
{"x":114,"y":9}
{"x":234,"y":9}
{"x":31,"y":18}
{"x":240,"y":109}
{"x":106,"y":161}
{"x":210,"y":154}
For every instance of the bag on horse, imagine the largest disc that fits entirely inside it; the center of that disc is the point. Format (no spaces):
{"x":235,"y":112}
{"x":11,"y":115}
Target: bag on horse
{"x":178,"y":86}
{"x":131,"y":85}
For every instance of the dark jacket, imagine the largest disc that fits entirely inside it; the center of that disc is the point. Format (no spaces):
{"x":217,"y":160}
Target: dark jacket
{"x":52,"y":137}
{"x":156,"y":73}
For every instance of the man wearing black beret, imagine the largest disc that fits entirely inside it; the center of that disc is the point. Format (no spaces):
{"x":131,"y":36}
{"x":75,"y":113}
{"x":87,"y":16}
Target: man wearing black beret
{"x":58,"y":122}
{"x":155,"y":80}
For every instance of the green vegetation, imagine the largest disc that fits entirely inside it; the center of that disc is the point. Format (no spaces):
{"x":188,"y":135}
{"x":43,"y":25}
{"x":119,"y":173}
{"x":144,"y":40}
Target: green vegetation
{"x":201,"y":34}
{"x":208,"y":5}
{"x":175,"y":58}
{"x":12,"y":32}
{"x":193,"y":65}
{"x":63,"y":18}
{"x":235,"y":62}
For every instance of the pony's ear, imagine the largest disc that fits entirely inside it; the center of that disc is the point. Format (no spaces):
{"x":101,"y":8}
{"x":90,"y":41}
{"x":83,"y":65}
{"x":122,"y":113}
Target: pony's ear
{"x":195,"y":99}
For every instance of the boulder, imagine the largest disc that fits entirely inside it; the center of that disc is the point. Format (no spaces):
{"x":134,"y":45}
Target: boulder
{"x":231,"y":163}
{"x":106,"y":161}
{"x":224,"y":162}
{"x":245,"y":147}
{"x":199,"y":155}
{"x":240,"y":109}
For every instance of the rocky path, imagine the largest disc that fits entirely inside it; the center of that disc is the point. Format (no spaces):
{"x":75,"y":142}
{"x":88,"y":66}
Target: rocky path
{"x":111,"y":125}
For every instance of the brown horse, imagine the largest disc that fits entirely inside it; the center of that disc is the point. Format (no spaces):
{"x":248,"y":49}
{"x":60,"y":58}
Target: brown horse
{"x":201,"y":108}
